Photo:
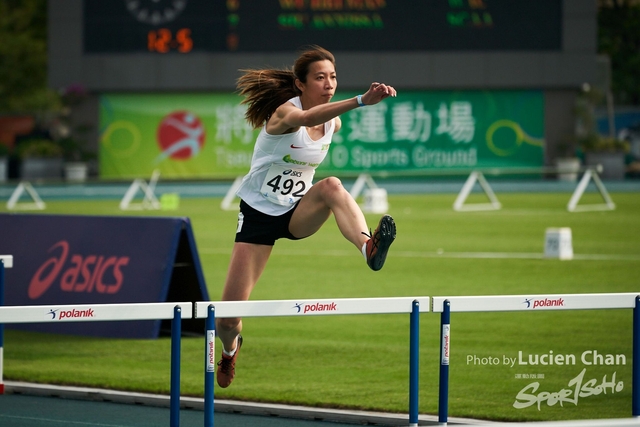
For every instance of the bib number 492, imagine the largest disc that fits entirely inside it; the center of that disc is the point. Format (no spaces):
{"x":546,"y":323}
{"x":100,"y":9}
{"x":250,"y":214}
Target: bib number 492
{"x":286,"y":186}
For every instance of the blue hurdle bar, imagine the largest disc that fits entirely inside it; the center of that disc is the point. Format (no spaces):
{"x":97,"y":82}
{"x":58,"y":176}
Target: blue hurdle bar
{"x":176,"y":333}
{"x":209,"y":365}
{"x":635,"y":387}
{"x":9,"y":263}
{"x":414,"y":362}
{"x":1,"y":325}
{"x":445,"y":345}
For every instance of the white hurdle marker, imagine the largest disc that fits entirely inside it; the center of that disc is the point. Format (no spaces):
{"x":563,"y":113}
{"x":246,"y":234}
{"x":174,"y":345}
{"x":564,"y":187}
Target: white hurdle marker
{"x":210,"y":310}
{"x":7,"y":260}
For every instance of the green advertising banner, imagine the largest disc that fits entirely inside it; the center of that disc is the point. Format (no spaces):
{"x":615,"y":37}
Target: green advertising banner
{"x":182,"y":135}
{"x":206,"y":135}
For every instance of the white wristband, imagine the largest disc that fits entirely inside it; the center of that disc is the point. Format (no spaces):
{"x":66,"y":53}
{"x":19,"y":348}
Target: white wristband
{"x":359,"y":99}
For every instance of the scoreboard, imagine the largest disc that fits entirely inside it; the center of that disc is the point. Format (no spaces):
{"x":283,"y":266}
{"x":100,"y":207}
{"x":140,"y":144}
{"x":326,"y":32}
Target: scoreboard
{"x":226,"y":26}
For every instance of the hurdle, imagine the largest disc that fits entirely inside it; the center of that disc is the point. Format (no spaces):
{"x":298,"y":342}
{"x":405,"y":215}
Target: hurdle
{"x":176,"y":311}
{"x":209,"y":310}
{"x":227,"y":200}
{"x":590,"y":173}
{"x":526,"y":303}
{"x":6,"y":261}
{"x":149,"y":200}
{"x":37,"y":204}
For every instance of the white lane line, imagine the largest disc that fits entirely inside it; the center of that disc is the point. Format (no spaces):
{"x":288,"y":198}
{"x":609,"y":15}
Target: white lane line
{"x":443,"y":254}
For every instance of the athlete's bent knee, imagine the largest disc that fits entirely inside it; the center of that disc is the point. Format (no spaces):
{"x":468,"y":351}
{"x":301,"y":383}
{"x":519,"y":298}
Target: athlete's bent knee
{"x":331,"y":184}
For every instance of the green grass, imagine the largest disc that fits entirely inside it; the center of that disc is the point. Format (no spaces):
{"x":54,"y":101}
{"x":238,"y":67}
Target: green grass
{"x":362,"y":361}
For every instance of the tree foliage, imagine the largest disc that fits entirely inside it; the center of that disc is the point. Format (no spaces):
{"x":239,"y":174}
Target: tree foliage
{"x":619,"y":38}
{"x":23,"y":56}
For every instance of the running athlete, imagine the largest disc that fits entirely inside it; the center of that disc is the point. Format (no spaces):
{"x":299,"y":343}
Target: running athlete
{"x":278,"y":199}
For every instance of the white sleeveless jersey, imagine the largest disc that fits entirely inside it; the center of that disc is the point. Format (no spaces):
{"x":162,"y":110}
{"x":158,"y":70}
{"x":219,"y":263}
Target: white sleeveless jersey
{"x":282,"y":168}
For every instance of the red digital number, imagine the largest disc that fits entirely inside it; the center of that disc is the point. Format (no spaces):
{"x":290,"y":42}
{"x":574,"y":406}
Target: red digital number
{"x":185,"y":43}
{"x":162,"y":41}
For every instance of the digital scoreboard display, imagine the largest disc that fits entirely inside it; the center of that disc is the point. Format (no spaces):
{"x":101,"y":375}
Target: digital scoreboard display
{"x":185,"y":26}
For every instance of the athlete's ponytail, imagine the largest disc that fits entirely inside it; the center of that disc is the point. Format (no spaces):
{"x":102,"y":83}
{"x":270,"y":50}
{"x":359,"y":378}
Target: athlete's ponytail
{"x":265,"y":90}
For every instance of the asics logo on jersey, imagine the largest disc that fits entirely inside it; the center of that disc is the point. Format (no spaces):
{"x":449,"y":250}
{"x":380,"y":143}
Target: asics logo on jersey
{"x":292,"y":173}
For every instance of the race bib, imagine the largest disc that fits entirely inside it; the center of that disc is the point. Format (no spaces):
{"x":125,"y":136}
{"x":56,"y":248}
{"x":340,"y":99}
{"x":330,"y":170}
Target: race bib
{"x":285,"y":186}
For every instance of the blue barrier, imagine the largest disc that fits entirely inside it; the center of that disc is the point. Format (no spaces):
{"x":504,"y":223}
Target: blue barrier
{"x":6,"y":261}
{"x":445,"y":347}
{"x":635,"y":391}
{"x":1,"y":326}
{"x":414,"y":362}
{"x":67,"y":259}
{"x":174,"y":399}
{"x":209,"y":366}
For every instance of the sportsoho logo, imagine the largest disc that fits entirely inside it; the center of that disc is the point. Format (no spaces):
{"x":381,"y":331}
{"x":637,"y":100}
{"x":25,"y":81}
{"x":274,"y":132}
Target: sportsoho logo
{"x":314,"y":308}
{"x":543,"y":303}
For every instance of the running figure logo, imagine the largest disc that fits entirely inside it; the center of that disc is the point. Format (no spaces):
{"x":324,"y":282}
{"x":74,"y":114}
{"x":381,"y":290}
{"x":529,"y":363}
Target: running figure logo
{"x":180,"y":136}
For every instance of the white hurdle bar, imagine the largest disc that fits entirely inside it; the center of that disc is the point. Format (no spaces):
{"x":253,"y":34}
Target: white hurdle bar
{"x":529,"y":303}
{"x":93,"y":312}
{"x":314,"y":307}
{"x":209,"y":310}
{"x":114,"y":312}
{"x":535,"y":302}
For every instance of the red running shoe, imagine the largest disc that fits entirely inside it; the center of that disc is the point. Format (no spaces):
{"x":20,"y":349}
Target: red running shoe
{"x":227,"y":366}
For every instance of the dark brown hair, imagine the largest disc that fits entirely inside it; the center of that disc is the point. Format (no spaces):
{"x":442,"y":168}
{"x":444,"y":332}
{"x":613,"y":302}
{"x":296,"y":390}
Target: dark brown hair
{"x":266,"y":89}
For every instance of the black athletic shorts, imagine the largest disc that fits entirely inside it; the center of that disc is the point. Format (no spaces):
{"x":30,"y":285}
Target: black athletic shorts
{"x":257,"y":227}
